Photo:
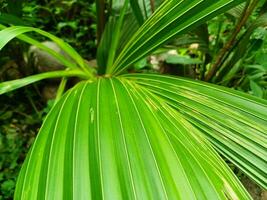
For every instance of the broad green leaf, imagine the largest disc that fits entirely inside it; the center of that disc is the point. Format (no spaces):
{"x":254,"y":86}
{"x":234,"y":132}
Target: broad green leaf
{"x":236,"y":123}
{"x":114,"y":139}
{"x":8,"y":86}
{"x":171,"y":18}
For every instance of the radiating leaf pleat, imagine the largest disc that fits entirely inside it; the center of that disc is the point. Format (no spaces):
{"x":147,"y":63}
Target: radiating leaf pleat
{"x":32,"y":185}
{"x":81,"y":142}
{"x":234,"y":122}
{"x":115,"y":139}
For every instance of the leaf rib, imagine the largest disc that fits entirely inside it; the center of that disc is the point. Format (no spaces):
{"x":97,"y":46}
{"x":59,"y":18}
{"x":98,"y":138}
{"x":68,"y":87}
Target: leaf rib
{"x":146,"y":135}
{"x":124,"y":139}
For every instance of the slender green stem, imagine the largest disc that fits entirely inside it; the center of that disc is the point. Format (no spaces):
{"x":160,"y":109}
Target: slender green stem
{"x":34,"y":106}
{"x":144,"y":5}
{"x":61,"y":89}
{"x":152,"y":5}
{"x":100,"y":12}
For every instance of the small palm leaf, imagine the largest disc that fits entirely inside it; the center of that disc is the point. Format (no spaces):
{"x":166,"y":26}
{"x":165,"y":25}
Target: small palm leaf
{"x":10,"y":33}
{"x":9,"y":86}
{"x":171,"y":18}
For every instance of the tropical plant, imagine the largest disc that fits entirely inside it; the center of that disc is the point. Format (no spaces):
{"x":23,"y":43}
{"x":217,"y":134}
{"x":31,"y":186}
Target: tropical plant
{"x":117,"y":135}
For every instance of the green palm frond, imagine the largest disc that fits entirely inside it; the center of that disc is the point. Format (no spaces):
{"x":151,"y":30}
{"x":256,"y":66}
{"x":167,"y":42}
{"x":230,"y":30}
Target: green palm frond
{"x":122,"y":143}
{"x":142,"y":136}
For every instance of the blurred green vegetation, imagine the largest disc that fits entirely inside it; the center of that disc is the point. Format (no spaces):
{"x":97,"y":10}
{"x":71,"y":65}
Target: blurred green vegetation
{"x":21,"y":116}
